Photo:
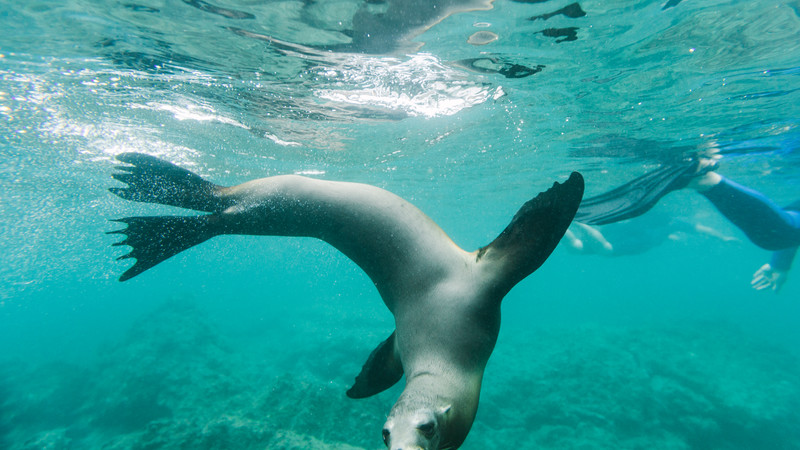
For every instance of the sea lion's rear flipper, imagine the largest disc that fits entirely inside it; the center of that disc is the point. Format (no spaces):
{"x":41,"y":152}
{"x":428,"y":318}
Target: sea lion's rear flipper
{"x":533,"y":233}
{"x":153,"y":180}
{"x":381,"y":371}
{"x":154,"y":239}
{"x":635,"y":197}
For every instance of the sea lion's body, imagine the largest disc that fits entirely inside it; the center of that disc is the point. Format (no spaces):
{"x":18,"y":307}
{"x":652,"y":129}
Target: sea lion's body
{"x":446,"y":301}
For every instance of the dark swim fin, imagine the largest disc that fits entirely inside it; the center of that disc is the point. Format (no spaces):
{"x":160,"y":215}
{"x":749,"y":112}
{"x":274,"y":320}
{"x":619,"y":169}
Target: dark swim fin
{"x":154,"y":239}
{"x":795,"y":206}
{"x":381,"y":371}
{"x":153,"y":180}
{"x":636,"y":197}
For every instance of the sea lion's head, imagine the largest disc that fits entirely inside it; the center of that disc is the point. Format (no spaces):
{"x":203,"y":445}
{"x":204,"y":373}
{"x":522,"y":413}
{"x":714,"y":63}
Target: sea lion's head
{"x":415,"y":429}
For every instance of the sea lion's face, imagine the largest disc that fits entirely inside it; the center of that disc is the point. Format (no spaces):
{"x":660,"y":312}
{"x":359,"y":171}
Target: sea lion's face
{"x":412,"y":430}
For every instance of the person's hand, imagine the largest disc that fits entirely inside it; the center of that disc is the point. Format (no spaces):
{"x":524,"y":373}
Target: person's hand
{"x":768,"y":278}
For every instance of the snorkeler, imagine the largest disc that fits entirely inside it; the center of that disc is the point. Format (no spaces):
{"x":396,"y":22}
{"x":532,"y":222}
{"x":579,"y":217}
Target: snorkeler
{"x":766,"y":224}
{"x":631,"y":237}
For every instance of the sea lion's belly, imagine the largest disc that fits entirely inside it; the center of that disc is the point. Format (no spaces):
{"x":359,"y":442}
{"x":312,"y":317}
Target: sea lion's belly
{"x":452,"y":326}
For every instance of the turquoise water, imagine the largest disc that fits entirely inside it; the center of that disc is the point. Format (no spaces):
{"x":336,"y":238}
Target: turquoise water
{"x":248,"y":342}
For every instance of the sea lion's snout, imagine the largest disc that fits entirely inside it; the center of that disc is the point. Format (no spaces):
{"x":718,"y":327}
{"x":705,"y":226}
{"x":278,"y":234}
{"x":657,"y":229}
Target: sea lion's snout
{"x":416,"y":431}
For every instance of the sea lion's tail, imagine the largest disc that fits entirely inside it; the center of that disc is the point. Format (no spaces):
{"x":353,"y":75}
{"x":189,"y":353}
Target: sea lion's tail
{"x":153,"y":180}
{"x":154,"y":239}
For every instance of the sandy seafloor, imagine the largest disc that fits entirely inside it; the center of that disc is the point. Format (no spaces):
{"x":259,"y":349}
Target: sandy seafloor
{"x":174,"y":381}
{"x":667,"y":388}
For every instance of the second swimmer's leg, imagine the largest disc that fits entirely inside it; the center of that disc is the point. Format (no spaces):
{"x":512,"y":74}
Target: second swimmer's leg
{"x":764,"y":222}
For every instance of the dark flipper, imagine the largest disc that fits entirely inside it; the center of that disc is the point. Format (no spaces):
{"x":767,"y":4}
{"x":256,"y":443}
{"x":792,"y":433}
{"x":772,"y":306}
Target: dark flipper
{"x":381,"y":371}
{"x":534,"y":232}
{"x":637,"y":196}
{"x":154,"y":239}
{"x":152,"y":180}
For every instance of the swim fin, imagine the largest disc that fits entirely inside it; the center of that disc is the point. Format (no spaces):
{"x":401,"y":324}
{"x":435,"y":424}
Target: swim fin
{"x":636,"y":197}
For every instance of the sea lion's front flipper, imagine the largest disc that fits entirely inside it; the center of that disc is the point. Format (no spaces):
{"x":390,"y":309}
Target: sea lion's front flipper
{"x":381,"y":371}
{"x":533,"y":233}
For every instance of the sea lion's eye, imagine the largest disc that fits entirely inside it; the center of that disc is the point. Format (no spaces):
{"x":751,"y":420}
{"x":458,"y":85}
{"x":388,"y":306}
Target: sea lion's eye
{"x":386,"y":434}
{"x":427,"y":428}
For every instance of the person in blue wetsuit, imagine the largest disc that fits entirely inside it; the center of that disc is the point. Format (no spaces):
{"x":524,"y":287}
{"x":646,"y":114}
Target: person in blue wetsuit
{"x":765,"y":223}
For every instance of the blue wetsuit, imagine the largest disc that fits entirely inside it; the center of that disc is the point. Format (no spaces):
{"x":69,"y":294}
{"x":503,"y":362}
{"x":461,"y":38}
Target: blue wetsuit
{"x":766,"y":224}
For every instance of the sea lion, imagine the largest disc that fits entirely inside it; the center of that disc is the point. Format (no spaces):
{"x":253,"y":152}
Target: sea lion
{"x":445,"y":301}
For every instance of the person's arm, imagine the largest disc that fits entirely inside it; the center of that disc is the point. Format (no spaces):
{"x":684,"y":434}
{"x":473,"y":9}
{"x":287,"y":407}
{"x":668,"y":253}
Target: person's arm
{"x":587,"y":239}
{"x":773,"y":275}
{"x":713,"y":232}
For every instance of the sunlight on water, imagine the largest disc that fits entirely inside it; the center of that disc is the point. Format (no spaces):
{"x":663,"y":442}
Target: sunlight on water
{"x":200,"y":113}
{"x":420,"y":85}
